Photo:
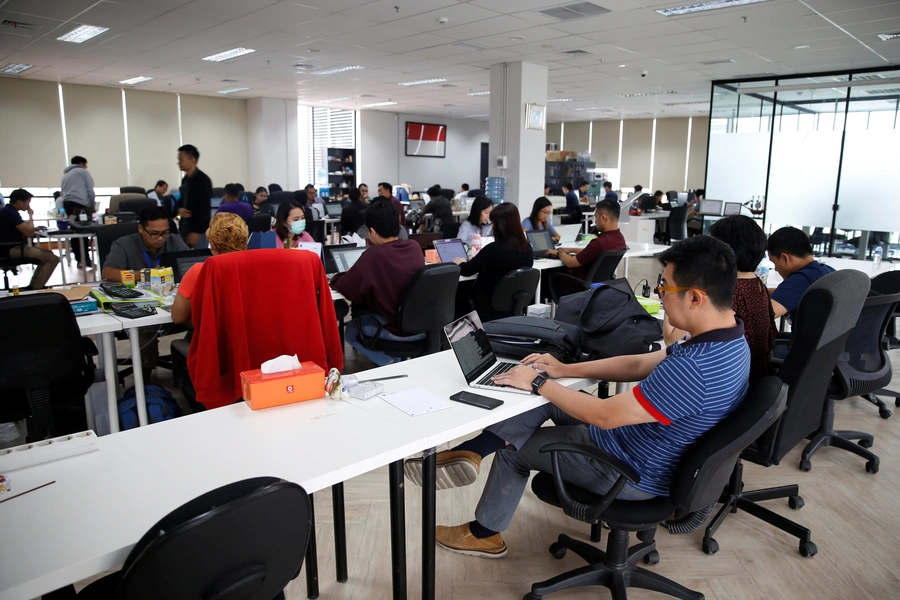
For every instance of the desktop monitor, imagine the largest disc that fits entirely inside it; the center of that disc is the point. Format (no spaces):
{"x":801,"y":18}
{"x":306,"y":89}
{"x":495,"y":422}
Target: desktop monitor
{"x":732,"y":208}
{"x":648,"y":202}
{"x":182,"y":261}
{"x":540,"y":241}
{"x":711,"y":208}
{"x":416,"y":204}
{"x":449,"y":250}
{"x":333,"y":210}
{"x":595,"y":189}
{"x":215,"y":202}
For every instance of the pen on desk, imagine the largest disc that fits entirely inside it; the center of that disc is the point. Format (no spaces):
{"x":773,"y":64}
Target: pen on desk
{"x":25,"y":492}
{"x":383,"y":378}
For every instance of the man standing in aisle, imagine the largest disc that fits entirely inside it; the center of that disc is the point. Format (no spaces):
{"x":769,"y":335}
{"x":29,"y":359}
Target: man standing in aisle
{"x":196,"y":199}
{"x":77,"y":195}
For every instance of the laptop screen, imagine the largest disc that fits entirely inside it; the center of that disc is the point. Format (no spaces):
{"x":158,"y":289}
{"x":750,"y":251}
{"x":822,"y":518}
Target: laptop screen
{"x":313,"y":247}
{"x":540,"y":241}
{"x":732,"y":208}
{"x":416,"y":204}
{"x":333,"y":209}
{"x":345,"y":258}
{"x":449,"y":250}
{"x":182,"y":261}
{"x":471,"y":345}
{"x":711,"y":207}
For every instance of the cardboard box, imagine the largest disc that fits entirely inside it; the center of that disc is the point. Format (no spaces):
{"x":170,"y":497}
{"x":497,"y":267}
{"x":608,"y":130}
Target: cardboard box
{"x":557,"y":156}
{"x":539,"y":310}
{"x":431,"y":257}
{"x":262,"y":390}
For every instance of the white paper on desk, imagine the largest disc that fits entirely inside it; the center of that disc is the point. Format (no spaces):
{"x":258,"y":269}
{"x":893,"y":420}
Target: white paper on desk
{"x":416,"y":401}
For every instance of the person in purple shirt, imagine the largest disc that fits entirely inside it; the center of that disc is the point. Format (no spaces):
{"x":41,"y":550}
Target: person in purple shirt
{"x":231,"y":203}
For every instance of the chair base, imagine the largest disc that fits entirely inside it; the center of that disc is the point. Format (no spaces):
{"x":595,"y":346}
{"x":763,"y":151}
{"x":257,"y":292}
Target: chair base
{"x":845,"y":441}
{"x":883,"y":411}
{"x":614,"y":569}
{"x":734,"y":498}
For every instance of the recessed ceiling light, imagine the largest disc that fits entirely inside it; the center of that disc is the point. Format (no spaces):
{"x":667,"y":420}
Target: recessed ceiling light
{"x":800,"y":47}
{"x":479,"y":93}
{"x":228,"y":54}
{"x":338,"y":70}
{"x":233,"y":90}
{"x":559,"y":100}
{"x":423,"y":81}
{"x":702,"y":6}
{"x":333,"y":100}
{"x":15,"y":68}
{"x":517,"y":38}
{"x":313,"y":50}
{"x":622,"y":66}
{"x":889,"y":36}
{"x":378,"y":104}
{"x":136,"y":80}
{"x":82,"y":34}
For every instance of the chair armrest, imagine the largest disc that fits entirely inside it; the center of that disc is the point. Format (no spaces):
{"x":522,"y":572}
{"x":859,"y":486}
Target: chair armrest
{"x":588,"y":513}
{"x":90,"y":348}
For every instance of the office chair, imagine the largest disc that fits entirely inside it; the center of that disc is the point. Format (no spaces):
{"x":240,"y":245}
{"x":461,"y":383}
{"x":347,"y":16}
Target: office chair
{"x":245,"y":540}
{"x":136,"y":205}
{"x":277,"y":198}
{"x":426,"y":240}
{"x":108,"y":234}
{"x":46,"y":367}
{"x":514,"y":292}
{"x":426,"y":306}
{"x":889,"y":283}
{"x":260,"y":223}
{"x":450,"y":230}
{"x":862,"y":368}
{"x":694,"y":491}
{"x":132,"y":189}
{"x":218,"y":192}
{"x":828,"y":312}
{"x":12,"y":263}
{"x":602,"y":270}
{"x":672,"y":196}
{"x":117,"y":199}
{"x":676,"y":224}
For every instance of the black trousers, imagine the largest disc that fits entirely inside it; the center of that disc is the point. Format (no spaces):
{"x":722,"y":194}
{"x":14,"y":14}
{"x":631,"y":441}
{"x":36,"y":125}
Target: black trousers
{"x":73,"y":209}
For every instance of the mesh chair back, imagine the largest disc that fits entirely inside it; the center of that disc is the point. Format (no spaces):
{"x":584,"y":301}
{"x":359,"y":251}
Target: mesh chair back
{"x":864,"y":366}
{"x":448,"y":193}
{"x":603,"y":269}
{"x":260,"y":223}
{"x":243,"y":540}
{"x":706,"y":468}
{"x":828,"y":312}
{"x":117,"y":199}
{"x":671,"y":195}
{"x":429,"y":302}
{"x":277,"y":198}
{"x":136,"y":205}
{"x":515,"y":291}
{"x":108,"y":234}
{"x":132,"y":189}
{"x":218,"y":192}
{"x":678,"y":223}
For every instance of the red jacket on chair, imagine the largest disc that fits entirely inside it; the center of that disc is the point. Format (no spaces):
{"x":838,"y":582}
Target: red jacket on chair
{"x":249,"y":307}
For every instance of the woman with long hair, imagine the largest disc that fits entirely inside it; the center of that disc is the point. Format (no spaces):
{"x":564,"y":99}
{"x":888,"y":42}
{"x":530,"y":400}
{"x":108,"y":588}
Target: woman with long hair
{"x":541,"y":218}
{"x":478,"y":222}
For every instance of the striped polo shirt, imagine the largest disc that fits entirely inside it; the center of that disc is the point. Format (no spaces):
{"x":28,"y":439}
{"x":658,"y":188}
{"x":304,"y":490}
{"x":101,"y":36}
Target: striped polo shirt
{"x":693,"y":388}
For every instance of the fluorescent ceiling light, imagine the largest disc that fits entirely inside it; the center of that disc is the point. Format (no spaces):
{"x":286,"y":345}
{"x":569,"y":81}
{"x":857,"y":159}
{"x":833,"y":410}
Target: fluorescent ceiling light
{"x":423,"y":81}
{"x":479,"y":93}
{"x":333,"y":100}
{"x":15,"y":68}
{"x":338,"y":70}
{"x":640,"y":94}
{"x":476,"y":116}
{"x":378,"y":104}
{"x":889,"y":36}
{"x":595,"y":108}
{"x":83,"y":34}
{"x":702,"y":6}
{"x":136,"y":80}
{"x":559,"y":100}
{"x":233,"y":90}
{"x":228,"y":54}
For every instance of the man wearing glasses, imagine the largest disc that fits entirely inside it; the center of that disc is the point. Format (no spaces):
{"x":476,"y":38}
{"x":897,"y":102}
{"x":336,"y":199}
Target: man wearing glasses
{"x":144,"y":250}
{"x":683,"y":391}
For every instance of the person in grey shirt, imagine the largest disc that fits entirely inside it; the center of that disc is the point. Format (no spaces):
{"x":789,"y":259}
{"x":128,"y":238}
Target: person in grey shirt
{"x":143,"y":250}
{"x":77,"y":195}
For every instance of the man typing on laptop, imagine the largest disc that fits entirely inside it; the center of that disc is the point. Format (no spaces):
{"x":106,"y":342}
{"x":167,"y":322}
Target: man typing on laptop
{"x":684,"y":390}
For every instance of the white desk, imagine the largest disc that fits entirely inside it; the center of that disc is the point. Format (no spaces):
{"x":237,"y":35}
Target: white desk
{"x":641,"y":250}
{"x":839,"y":264}
{"x":65,"y":236}
{"x":104,"y":326}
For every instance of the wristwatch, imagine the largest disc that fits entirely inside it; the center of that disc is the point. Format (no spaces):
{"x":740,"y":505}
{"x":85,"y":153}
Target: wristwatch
{"x":536,"y":384}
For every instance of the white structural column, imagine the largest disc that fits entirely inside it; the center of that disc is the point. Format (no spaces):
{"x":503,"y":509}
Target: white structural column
{"x":513,"y":86}
{"x":273,"y":146}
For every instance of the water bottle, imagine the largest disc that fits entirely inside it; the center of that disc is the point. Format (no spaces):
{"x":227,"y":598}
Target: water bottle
{"x":476,"y":245}
{"x":877,"y":255}
{"x":762,"y":271}
{"x":62,"y":221}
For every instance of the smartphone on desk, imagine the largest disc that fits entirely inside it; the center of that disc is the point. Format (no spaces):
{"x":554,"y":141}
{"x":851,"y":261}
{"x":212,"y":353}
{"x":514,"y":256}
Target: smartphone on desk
{"x":478,"y":400}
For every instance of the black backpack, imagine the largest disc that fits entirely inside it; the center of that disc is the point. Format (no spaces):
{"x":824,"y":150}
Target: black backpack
{"x":517,"y":337}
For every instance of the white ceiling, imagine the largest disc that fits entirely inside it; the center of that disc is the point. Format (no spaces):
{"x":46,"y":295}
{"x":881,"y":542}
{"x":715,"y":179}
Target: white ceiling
{"x":402,"y":40}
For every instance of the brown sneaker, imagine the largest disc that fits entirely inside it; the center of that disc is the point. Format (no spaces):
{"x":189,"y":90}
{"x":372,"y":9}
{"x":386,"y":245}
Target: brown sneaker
{"x":454,"y":469}
{"x":460,"y":539}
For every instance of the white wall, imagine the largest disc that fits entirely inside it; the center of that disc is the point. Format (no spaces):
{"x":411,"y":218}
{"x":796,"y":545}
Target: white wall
{"x":272,"y":143}
{"x":377,"y":141}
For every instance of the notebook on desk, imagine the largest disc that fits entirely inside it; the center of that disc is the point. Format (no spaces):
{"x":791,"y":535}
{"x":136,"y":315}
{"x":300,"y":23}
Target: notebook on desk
{"x":472,"y":347}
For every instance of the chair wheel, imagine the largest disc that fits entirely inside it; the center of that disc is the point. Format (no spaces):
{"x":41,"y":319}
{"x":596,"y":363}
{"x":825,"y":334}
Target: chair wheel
{"x":865,"y":443}
{"x":796,"y":502}
{"x":530,"y":596}
{"x":651,"y":558}
{"x":897,"y":402}
{"x":557,"y":550}
{"x":808,"y":549}
{"x":884,"y":413}
{"x":805,"y":465}
{"x":710,"y":546}
{"x":872,"y":466}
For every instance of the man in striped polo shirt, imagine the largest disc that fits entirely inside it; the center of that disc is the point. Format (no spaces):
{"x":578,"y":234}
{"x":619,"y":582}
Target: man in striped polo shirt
{"x":684,"y":391}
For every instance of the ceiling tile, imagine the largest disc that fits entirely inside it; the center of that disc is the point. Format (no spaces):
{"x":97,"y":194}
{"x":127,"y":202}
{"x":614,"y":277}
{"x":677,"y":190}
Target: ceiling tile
{"x":116,"y":16}
{"x":611,"y":21}
{"x":222,"y":11}
{"x":412,"y":43}
{"x":457,"y":15}
{"x":171,"y":25}
{"x":48,"y":9}
{"x":384,"y":11}
{"x":334,"y":25}
{"x":280,"y":16}
{"x":493,"y":26}
{"x":666,"y":28}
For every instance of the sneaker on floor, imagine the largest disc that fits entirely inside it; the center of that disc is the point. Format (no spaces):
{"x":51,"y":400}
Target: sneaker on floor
{"x":459,"y":539}
{"x":455,"y":468}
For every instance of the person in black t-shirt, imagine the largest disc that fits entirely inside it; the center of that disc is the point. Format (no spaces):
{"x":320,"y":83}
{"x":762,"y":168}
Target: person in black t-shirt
{"x":353,"y":217}
{"x":196,"y":199}
{"x":13,"y":233}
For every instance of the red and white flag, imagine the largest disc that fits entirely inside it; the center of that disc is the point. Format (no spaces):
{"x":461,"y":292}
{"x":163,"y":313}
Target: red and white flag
{"x":425,"y":140}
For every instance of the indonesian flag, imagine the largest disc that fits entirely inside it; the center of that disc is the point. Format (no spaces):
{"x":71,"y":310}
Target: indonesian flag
{"x":425,"y":140}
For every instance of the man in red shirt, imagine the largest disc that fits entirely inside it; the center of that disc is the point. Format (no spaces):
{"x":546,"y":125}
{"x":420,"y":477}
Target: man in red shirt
{"x":579,"y":260}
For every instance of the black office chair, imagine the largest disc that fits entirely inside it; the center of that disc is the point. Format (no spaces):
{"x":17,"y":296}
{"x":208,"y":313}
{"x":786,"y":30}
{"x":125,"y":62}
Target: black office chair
{"x":889,"y":283}
{"x":426,"y":306}
{"x":218,"y":192}
{"x":316,"y":229}
{"x":136,"y":205}
{"x":514,"y":292}
{"x":260,"y":223}
{"x":132,"y":189}
{"x":672,"y":196}
{"x":46,"y":367}
{"x":676,"y":224}
{"x":245,"y":540}
{"x":828,"y":312}
{"x":602,"y":270}
{"x":10,"y":264}
{"x":108,"y":234}
{"x":426,"y":240}
{"x":695,"y":488}
{"x":277,"y":198}
{"x":450,"y":230}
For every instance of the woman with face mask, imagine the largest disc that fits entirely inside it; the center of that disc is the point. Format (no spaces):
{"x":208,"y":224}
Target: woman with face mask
{"x":290,"y":225}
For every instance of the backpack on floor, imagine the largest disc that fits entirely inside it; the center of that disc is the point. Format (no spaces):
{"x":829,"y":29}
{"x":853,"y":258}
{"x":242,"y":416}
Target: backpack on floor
{"x":161,"y":406}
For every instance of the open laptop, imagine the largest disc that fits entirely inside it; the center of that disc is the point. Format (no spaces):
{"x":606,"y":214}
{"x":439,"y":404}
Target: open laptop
{"x":182,"y":261}
{"x":328,"y":257}
{"x":345,"y":258}
{"x":448,"y":250}
{"x":314,"y":247}
{"x":568,"y":234}
{"x":474,"y":354}
{"x":416,"y":204}
{"x":333,"y":210}
{"x":540,"y":241}
{"x":732,"y":208}
{"x":712,"y":208}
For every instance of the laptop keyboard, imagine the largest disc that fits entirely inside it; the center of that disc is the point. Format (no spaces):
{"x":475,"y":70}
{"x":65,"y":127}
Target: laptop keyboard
{"x":497,"y":370}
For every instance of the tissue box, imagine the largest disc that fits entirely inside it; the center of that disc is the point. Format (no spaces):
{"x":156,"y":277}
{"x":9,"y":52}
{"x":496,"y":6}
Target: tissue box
{"x":431,"y":257}
{"x":274,"y":389}
{"x":539,"y":310}
{"x":162,"y":281}
{"x":649,"y":304}
{"x":84,"y":306}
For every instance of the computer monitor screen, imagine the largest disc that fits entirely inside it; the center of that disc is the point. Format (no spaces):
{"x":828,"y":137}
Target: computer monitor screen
{"x":540,"y":241}
{"x":416,"y":204}
{"x":711,"y":207}
{"x":648,"y":202}
{"x":333,"y":210}
{"x":215,"y":202}
{"x":345,"y":258}
{"x":732,"y":208}
{"x":449,"y":250}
